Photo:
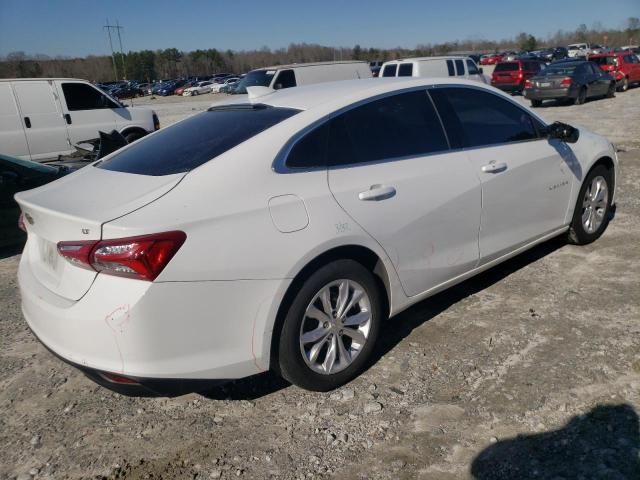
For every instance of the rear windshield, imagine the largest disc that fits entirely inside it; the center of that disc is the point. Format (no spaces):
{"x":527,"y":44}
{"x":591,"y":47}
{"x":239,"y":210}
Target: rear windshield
{"x":604,"y":60}
{"x":196,"y":140}
{"x":564,"y":69}
{"x":506,"y":67}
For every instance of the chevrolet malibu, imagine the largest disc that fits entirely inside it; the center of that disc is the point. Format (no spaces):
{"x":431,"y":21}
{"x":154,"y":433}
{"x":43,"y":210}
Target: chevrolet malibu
{"x":281,"y":232}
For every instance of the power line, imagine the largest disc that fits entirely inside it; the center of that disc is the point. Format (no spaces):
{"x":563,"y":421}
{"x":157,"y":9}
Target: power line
{"x":117,"y":28}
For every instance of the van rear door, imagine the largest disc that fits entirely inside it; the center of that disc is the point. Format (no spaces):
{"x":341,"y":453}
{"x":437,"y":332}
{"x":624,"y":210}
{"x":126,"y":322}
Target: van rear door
{"x":42,"y":117}
{"x":12,"y":136}
{"x":88,"y":110}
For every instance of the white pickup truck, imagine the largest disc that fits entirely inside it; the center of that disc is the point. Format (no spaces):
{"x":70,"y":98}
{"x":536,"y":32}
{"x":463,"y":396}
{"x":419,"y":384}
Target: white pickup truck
{"x":42,"y":118}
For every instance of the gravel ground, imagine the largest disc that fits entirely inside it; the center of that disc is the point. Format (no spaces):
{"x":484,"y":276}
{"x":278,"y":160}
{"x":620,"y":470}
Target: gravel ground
{"x":530,"y":370}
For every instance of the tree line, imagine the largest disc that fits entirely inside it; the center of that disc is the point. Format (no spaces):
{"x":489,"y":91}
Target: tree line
{"x":151,"y":65}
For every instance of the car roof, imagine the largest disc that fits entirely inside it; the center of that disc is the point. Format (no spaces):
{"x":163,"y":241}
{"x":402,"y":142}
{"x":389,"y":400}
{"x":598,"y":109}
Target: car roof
{"x":422,"y":59}
{"x":313,"y":64}
{"x":346,"y":92}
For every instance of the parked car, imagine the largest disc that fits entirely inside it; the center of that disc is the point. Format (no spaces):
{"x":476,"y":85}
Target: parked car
{"x":198,"y":89}
{"x":511,"y":76}
{"x":624,"y":67}
{"x":229,"y":87}
{"x":632,"y":48}
{"x":44,"y":118}
{"x":297,"y":74}
{"x":149,"y":269}
{"x":509,"y":56}
{"x":446,"y":66}
{"x":490,"y":59}
{"x":224,"y":85}
{"x":127,"y":92}
{"x":170,"y":88}
{"x":583,"y":49}
{"x":180,"y":90}
{"x":375,"y":68}
{"x":553,"y":54}
{"x":569,"y":82}
{"x":17,"y":175}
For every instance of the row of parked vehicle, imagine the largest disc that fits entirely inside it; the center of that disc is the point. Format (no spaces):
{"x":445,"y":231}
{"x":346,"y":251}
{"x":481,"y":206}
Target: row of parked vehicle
{"x":576,"y":50}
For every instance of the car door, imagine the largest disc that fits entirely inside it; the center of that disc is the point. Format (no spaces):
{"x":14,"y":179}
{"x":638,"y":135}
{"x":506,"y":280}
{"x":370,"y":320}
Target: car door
{"x":632,"y":65}
{"x":12,"y":132}
{"x":391,"y":170}
{"x":42,"y":118}
{"x":596,"y":83}
{"x":526,"y":179}
{"x":88,"y":110}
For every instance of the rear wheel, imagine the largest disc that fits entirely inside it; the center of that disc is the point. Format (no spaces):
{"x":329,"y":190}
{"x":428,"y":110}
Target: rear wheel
{"x":624,"y":85}
{"x":195,"y":92}
{"x":582,"y":96}
{"x":133,"y":136}
{"x":536,"y":103}
{"x":612,"y":90}
{"x":331,"y":327}
{"x":593,"y":207}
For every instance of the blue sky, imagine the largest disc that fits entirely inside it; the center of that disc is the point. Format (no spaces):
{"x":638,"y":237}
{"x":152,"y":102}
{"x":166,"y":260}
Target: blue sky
{"x":74,"y":27}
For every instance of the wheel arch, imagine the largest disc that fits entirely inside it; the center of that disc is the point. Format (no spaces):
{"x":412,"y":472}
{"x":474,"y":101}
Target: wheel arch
{"x":361,"y":254}
{"x":133,"y":129}
{"x":609,"y":164}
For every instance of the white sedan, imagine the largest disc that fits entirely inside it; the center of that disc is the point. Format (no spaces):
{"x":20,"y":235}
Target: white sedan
{"x":215,"y":88}
{"x":198,"y":89}
{"x":280,"y":233}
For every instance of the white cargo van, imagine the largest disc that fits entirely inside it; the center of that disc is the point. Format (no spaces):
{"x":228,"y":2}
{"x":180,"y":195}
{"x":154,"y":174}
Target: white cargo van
{"x":41,"y":118}
{"x":296,"y":74}
{"x":453,"y":66}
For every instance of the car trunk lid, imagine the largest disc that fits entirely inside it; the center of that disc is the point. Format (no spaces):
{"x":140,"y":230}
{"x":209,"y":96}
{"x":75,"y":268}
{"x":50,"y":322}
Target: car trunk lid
{"x":75,"y":208}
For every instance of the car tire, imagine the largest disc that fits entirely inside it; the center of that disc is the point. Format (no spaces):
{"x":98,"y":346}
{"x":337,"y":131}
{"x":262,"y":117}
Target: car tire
{"x":581,"y":97}
{"x":194,"y":93}
{"x":536,"y":103}
{"x":624,"y":85}
{"x":611,"y":93}
{"x":308,"y":344}
{"x":133,"y":136}
{"x":593,"y":210}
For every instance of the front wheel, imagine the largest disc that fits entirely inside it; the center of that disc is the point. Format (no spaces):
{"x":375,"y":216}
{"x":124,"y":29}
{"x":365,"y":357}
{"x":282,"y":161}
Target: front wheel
{"x":133,"y":136}
{"x":536,"y":103}
{"x":331,"y":327}
{"x":195,"y":93}
{"x":624,"y":85}
{"x":612,"y":90}
{"x":582,"y":96}
{"x":593,"y":207}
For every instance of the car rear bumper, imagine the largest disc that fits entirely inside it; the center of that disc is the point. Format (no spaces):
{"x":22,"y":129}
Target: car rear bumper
{"x":508,"y":87}
{"x":549,"y":94}
{"x":160,"y":331}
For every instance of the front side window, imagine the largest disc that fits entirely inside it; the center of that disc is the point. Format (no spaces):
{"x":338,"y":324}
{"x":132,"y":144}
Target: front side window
{"x":285,"y":79}
{"x":401,"y":125}
{"x":474,"y":118}
{"x":471,"y":66}
{"x":390,"y":70}
{"x":459,"y":67}
{"x":196,"y":140}
{"x":80,"y":96}
{"x":405,"y":70}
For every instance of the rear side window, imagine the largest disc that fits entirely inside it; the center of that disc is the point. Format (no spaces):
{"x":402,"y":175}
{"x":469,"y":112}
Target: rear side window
{"x":285,"y":79}
{"x":473,"y":69}
{"x":390,"y":70}
{"x":474,"y":118}
{"x":405,"y":70}
{"x":460,"y":67}
{"x":80,"y":96}
{"x":506,"y":67}
{"x":402,"y":125}
{"x":311,"y":150}
{"x":196,"y":140}
{"x":450,"y":68}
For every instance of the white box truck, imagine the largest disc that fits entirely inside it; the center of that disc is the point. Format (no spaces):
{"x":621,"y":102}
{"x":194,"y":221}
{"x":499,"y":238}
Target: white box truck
{"x":41,"y":118}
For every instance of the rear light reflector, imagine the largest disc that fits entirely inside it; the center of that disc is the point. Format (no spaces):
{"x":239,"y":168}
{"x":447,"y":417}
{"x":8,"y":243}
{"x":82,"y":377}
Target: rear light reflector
{"x":121,"y":379}
{"x":21,"y":224}
{"x":142,"y":257}
{"x":566,"y":82}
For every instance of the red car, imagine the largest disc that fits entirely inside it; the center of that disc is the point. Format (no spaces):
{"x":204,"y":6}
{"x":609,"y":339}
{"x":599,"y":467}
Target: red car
{"x":490,"y":59}
{"x":511,"y":76}
{"x":623,"y":66}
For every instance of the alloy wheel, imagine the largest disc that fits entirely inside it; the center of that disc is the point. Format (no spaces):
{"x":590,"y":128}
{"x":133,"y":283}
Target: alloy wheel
{"x":594,"y":204}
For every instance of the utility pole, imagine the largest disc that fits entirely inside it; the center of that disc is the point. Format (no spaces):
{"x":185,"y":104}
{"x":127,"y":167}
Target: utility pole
{"x":113,"y":56}
{"x":117,"y":28}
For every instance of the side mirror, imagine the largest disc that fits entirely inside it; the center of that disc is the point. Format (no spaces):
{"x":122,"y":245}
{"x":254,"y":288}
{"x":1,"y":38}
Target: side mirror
{"x":563,"y":132}
{"x":481,"y":70}
{"x":277,"y":86}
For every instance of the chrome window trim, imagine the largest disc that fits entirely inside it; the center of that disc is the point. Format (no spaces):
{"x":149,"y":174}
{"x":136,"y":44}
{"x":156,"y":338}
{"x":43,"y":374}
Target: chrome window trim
{"x":279,"y":163}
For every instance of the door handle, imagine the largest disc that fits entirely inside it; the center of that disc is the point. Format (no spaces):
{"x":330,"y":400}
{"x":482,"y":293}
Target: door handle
{"x":67,"y":117}
{"x":376,"y":193}
{"x":494,"y":167}
{"x":27,"y":122}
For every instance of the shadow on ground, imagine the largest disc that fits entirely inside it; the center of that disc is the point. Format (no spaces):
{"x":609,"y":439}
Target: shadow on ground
{"x":603,"y":444}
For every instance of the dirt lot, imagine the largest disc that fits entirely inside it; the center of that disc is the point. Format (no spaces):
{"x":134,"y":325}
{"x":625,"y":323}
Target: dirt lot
{"x":531,"y":370}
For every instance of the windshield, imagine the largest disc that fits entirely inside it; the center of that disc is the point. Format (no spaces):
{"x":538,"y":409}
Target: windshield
{"x":558,"y":70}
{"x":605,"y":60}
{"x":256,"y":78}
{"x":196,"y":140}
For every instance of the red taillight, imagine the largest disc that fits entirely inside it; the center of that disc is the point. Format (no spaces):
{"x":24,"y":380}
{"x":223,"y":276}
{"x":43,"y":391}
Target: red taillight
{"x":114,"y":378}
{"x":142,"y":257}
{"x":528,"y":83}
{"x":21,"y":224}
{"x":566,"y":82}
{"x":520,"y":75}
